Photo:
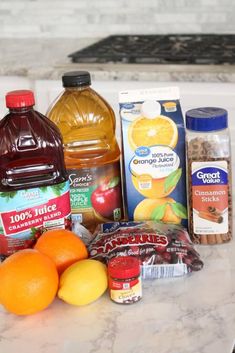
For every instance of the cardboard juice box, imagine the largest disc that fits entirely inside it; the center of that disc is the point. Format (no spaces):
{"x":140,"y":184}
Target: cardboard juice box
{"x":153,"y":137}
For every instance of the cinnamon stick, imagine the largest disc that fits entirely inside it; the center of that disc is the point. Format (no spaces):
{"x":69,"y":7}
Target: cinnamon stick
{"x":211,"y":238}
{"x":225,"y":237}
{"x":203,"y":239}
{"x":219,"y":239}
{"x":214,"y":211}
{"x":210,"y":216}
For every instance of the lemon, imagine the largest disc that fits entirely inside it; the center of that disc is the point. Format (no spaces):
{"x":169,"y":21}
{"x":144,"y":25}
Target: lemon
{"x":149,"y":132}
{"x":83,"y":282}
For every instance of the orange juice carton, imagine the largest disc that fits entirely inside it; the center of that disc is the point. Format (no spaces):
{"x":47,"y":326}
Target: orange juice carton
{"x":153,"y":138}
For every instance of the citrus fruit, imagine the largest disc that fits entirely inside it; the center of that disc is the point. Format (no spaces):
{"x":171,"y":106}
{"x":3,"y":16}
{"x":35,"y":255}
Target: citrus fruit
{"x":83,"y":282}
{"x":149,"y":132}
{"x":157,"y":210}
{"x":63,"y":247}
{"x":29,"y":282}
{"x":157,"y":189}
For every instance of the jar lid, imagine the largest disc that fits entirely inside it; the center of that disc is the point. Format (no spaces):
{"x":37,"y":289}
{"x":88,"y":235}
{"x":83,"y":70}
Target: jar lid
{"x":76,"y":79}
{"x":123,"y":267}
{"x":20,"y":99}
{"x":207,"y":119}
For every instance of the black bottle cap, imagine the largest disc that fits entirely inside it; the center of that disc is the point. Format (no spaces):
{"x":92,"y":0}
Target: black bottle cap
{"x":76,"y":79}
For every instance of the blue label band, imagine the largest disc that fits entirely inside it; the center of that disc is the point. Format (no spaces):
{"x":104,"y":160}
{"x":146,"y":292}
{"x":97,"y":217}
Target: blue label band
{"x":210,"y":176}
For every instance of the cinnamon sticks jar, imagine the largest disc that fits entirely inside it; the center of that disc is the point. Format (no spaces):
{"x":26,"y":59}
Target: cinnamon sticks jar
{"x":209,"y":175}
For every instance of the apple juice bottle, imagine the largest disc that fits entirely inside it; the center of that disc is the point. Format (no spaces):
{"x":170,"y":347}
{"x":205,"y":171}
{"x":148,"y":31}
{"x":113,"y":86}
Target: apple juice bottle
{"x":34,"y":186}
{"x":92,"y":156}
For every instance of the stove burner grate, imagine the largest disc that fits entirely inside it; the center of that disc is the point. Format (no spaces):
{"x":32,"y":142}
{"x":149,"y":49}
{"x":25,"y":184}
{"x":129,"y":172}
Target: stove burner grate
{"x":199,"y":49}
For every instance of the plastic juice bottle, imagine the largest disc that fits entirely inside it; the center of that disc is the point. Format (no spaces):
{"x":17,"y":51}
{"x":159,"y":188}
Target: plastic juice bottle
{"x":92,"y":155}
{"x":34,"y":187}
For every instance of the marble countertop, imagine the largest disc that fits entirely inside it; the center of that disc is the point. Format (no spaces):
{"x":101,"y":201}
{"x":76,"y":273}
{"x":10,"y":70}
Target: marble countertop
{"x":192,"y":314}
{"x":47,"y":59}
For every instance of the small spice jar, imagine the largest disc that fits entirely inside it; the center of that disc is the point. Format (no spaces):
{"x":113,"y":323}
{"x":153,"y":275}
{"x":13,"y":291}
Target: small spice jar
{"x":209,"y":175}
{"x":124,"y":279}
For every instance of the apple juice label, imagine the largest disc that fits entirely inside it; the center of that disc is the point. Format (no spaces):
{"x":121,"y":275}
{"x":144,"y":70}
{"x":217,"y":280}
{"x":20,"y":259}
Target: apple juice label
{"x":25,"y":214}
{"x":96,"y":191}
{"x":153,"y":137}
{"x":210,"y":197}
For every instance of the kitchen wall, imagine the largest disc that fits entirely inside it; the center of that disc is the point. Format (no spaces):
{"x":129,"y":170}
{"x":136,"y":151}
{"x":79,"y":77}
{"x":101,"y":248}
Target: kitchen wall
{"x":98,"y":18}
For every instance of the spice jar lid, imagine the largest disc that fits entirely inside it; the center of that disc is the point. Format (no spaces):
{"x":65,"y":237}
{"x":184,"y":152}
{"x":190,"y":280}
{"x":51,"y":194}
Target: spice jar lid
{"x":207,"y":119}
{"x":124,"y":267}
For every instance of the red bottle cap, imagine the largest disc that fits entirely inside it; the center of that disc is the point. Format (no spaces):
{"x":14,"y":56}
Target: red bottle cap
{"x":20,"y":99}
{"x":123,"y":267}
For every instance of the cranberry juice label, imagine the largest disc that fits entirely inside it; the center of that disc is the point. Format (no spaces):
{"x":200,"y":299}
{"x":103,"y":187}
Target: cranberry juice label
{"x":26,"y":214}
{"x":210,"y":197}
{"x":95,"y":194}
{"x":153,"y":137}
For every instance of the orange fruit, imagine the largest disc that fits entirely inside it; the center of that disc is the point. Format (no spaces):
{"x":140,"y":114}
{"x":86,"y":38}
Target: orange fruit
{"x":162,"y":208}
{"x":157,"y":189}
{"x":29,"y":282}
{"x":149,"y":132}
{"x":63,"y":247}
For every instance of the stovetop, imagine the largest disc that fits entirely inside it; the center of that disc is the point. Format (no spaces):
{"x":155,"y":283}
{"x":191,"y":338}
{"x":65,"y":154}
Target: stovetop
{"x":196,"y":49}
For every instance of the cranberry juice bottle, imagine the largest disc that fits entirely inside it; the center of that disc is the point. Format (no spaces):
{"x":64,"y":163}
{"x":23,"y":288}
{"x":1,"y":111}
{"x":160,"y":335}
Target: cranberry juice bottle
{"x":34,"y":188}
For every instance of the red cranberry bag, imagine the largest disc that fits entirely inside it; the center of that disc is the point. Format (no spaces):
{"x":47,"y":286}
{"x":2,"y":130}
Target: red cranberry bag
{"x":165,"y":250}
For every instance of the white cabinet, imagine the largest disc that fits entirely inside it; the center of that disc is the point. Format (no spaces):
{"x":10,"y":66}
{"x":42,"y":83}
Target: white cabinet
{"x":46,"y":91}
{"x":193,"y":94}
{"x":11,"y":83}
